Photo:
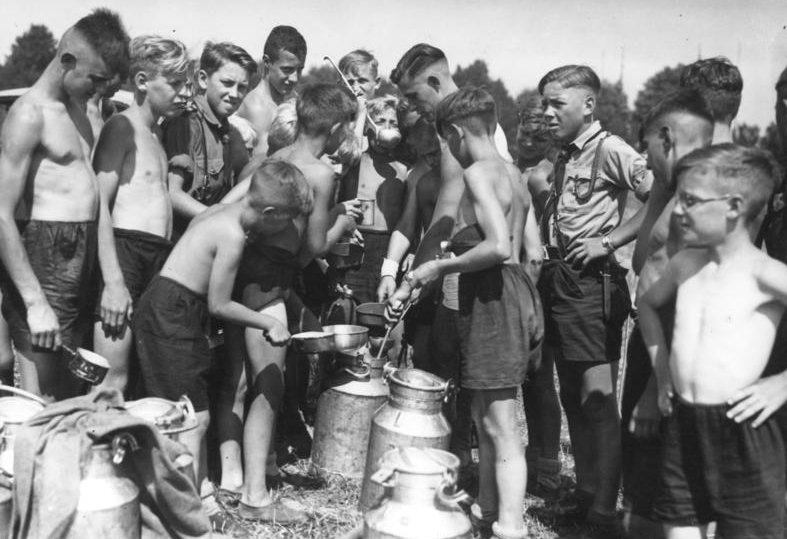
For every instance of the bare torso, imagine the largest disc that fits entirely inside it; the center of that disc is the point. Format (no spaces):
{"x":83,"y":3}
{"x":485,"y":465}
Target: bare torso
{"x":724,"y":326}
{"x":513,"y":198}
{"x":61,"y":185}
{"x":427,"y":187}
{"x":259,"y":108}
{"x":142,"y":201}
{"x":536,"y":178}
{"x":381,"y":186}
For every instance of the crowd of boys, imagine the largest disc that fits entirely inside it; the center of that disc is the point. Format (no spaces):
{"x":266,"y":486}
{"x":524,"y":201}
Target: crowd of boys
{"x":206,"y":209}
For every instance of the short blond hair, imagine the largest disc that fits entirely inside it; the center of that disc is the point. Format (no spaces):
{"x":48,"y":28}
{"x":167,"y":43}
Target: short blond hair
{"x":284,"y":127}
{"x":156,"y":55}
{"x":376,"y":106}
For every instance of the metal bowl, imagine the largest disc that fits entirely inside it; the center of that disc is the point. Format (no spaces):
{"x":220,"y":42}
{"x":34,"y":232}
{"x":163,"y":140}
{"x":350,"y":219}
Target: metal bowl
{"x":371,"y":315}
{"x":347,"y":338}
{"x":312,"y":342}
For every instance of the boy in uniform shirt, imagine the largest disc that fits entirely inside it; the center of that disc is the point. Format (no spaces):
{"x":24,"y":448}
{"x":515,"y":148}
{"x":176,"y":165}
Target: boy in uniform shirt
{"x":729,"y":296}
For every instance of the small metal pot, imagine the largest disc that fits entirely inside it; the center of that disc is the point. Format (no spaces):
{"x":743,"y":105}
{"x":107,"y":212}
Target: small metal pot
{"x":312,"y":342}
{"x":14,"y":411}
{"x":347,"y":338}
{"x":371,"y":315}
{"x":86,"y":365}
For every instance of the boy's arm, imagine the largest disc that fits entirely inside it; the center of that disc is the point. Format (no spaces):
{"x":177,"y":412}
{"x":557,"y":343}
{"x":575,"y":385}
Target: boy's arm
{"x":531,"y":241}
{"x":222,"y":280}
{"x":319,"y":235}
{"x":660,"y":293}
{"x":114,"y":143}
{"x":766,"y":395}
{"x":244,"y":180}
{"x":176,"y":140}
{"x":494,"y":249}
{"x":21,"y":135}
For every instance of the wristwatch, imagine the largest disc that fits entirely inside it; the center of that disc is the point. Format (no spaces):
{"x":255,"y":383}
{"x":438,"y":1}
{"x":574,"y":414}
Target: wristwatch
{"x":409,"y":277}
{"x":606,"y":243}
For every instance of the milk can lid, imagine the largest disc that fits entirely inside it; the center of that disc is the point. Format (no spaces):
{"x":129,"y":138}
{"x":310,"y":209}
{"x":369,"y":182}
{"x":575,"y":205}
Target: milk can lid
{"x":18,"y":409}
{"x":419,"y":460}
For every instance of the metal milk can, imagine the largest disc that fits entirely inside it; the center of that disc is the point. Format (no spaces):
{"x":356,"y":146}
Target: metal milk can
{"x":170,"y":417}
{"x":412,"y":417}
{"x":14,"y":411}
{"x":345,"y":410}
{"x":421,"y":500}
{"x":108,"y":500}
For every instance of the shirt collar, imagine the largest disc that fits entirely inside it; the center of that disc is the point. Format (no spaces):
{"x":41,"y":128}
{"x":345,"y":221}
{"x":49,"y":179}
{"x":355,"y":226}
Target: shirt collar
{"x":586,"y":135}
{"x":202,"y":105}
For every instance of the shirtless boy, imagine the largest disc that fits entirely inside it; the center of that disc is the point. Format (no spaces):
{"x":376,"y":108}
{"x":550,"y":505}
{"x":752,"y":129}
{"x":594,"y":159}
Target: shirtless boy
{"x":677,"y":125}
{"x":170,"y":325}
{"x":49,"y":204}
{"x":131,"y":167}
{"x":359,"y":69}
{"x":283,"y":59}
{"x":729,"y":297}
{"x":377,"y":181}
{"x":265,"y":280}
{"x":493,"y":292}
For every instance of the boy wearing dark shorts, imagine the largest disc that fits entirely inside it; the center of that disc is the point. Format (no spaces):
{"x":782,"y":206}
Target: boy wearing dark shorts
{"x":171,"y":323}
{"x":496,"y":301}
{"x":717,"y":465}
{"x":131,"y":168}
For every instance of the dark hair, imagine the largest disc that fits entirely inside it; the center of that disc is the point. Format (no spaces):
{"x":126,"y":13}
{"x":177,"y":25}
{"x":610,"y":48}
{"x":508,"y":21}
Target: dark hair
{"x":215,"y":55}
{"x":415,"y":60}
{"x":321,"y":105}
{"x":281,"y":184}
{"x":284,"y":38}
{"x":570,"y":76}
{"x":467,"y":102}
{"x":106,"y":35}
{"x":686,"y":100}
{"x":719,"y":81}
{"x":751,"y":172}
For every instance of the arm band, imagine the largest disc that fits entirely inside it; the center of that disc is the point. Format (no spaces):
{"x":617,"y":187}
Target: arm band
{"x":390,"y":268}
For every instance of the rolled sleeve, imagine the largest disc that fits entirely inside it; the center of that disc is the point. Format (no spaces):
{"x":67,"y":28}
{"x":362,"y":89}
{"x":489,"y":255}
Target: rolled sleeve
{"x":627,"y":169}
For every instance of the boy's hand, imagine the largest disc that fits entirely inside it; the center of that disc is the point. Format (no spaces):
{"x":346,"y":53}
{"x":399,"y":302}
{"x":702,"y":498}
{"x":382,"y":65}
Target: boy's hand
{"x":278,"y":335}
{"x":44,"y":326}
{"x":584,"y":251}
{"x":425,"y":274}
{"x":646,"y":417}
{"x":665,"y":399}
{"x":352,"y":208}
{"x":116,"y":308}
{"x":395,"y":305}
{"x":386,"y":288}
{"x":762,"y":398}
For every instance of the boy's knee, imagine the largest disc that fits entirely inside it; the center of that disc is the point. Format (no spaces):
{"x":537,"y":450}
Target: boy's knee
{"x":203,"y":421}
{"x":599,"y":408}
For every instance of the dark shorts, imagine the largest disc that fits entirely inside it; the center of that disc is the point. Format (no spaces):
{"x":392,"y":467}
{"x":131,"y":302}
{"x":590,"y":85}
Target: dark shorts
{"x":265,"y":273}
{"x":714,"y":469}
{"x":365,"y":280}
{"x":574,"y":310}
{"x":63,"y":256}
{"x":141,"y":256}
{"x":641,"y":458}
{"x":497,"y":317}
{"x":171,"y":333}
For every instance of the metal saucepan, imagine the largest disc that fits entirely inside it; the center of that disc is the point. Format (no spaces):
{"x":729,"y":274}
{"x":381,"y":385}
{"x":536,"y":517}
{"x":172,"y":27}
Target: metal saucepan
{"x":347,"y":338}
{"x":371,"y":315}
{"x":312,"y":342}
{"x":86,"y":365}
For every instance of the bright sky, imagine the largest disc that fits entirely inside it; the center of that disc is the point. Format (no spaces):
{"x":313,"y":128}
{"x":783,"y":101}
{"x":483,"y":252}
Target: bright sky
{"x":519,"y":39}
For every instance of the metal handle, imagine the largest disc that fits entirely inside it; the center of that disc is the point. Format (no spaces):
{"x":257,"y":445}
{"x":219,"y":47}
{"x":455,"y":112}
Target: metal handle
{"x":388,"y":371}
{"x":122,"y":444}
{"x":22,"y":393}
{"x":451,"y":500}
{"x":367,"y":371}
{"x":383,"y":477}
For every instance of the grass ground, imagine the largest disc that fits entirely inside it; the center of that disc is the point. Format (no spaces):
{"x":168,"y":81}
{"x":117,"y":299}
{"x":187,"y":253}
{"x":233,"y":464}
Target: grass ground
{"x":334,"y":513}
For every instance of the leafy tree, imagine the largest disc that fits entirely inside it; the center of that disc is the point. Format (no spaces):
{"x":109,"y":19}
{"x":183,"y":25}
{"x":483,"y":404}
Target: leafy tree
{"x":770,"y":141}
{"x":30,"y":54}
{"x":747,"y":135}
{"x":477,"y":74}
{"x":653,"y":90}
{"x":613,"y":112}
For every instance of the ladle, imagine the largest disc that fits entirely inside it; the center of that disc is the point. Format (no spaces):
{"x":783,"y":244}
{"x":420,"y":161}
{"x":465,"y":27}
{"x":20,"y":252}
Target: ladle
{"x":391,"y":326}
{"x":23,"y":393}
